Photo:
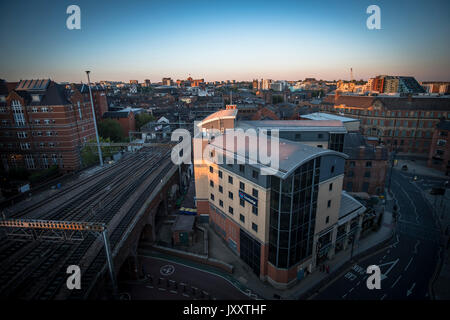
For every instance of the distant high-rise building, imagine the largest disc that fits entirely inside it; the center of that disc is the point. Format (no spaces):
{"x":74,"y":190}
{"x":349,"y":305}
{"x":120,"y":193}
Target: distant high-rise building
{"x":395,"y":84}
{"x":134,"y":82}
{"x":167,"y":81}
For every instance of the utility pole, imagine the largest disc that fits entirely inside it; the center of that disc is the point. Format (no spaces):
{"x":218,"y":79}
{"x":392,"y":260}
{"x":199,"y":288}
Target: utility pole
{"x":95,"y":122}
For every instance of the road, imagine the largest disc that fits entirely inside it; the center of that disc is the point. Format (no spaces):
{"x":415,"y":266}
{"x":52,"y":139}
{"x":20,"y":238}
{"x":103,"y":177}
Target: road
{"x":177,"y":282}
{"x":408,"y":262}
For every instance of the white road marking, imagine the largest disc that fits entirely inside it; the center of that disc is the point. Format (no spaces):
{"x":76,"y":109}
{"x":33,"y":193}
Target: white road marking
{"x":343,"y":297}
{"x":396,"y":281}
{"x":384,"y":296}
{"x":410,"y":290}
{"x":350,"y":290}
{"x":392,"y":263}
{"x":415,"y":247}
{"x":409,"y":263}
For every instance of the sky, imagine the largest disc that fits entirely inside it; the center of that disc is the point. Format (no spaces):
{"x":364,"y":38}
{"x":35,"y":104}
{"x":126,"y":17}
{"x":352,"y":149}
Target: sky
{"x":224,"y":40}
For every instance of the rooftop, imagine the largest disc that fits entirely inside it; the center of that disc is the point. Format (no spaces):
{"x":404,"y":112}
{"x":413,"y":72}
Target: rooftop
{"x":327,"y":116}
{"x":291,"y":154}
{"x":350,"y":208}
{"x":332,"y":126}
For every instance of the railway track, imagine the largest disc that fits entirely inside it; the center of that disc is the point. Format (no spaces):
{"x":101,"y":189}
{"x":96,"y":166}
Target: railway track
{"x":37,"y":269}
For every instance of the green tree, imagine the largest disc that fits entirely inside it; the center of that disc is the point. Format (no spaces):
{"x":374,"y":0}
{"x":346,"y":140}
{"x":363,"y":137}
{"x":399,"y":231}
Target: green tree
{"x":89,"y":153}
{"x":111,"y":129}
{"x":142,"y":119}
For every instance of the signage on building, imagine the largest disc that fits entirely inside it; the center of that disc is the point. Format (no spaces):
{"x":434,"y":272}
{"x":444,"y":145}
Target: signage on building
{"x":248,"y":198}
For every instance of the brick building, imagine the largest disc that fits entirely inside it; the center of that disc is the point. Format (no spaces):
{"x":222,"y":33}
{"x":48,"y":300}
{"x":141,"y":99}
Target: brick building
{"x":98,"y":98}
{"x":405,"y":123}
{"x":366,"y":166}
{"x":43,"y":124}
{"x":125,"y":117}
{"x":439,"y":157}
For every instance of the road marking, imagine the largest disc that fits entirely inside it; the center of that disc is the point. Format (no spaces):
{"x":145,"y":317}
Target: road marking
{"x":409,"y":263}
{"x":173,"y":291}
{"x":150,"y":287}
{"x":392,"y":263}
{"x":384,"y":296}
{"x":410,"y":290}
{"x":415,"y":247}
{"x":186,"y":295}
{"x":396,"y":281}
{"x":396,"y":242}
{"x":343,"y":297}
{"x":162,"y":289}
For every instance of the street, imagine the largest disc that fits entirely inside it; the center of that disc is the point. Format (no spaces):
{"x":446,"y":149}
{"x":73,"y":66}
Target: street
{"x":408,"y":262}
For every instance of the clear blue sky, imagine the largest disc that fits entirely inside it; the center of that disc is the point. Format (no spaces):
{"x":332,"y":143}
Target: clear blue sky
{"x":219,"y":40}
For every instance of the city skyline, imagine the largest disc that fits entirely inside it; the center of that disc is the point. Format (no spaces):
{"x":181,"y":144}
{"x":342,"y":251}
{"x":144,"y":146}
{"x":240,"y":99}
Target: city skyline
{"x":224,"y":41}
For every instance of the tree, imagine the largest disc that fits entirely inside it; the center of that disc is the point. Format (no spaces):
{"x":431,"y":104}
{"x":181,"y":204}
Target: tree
{"x":110,"y":129}
{"x":89,"y":154}
{"x":142,"y":119}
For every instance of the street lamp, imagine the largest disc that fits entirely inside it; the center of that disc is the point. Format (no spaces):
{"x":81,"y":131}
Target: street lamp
{"x":95,"y":122}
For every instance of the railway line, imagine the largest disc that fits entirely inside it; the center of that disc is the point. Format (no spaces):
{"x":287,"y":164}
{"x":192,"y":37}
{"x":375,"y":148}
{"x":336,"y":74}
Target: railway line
{"x":34,"y":269}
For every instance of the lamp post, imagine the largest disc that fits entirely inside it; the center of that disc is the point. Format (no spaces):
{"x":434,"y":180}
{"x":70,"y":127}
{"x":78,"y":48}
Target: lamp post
{"x":95,"y":122}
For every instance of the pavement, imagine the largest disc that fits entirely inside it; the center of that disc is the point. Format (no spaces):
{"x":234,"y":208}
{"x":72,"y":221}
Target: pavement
{"x":169,"y":280}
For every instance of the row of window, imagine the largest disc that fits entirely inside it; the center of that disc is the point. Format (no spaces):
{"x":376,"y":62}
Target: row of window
{"x":241,"y":216}
{"x":394,"y":114}
{"x":399,"y":123}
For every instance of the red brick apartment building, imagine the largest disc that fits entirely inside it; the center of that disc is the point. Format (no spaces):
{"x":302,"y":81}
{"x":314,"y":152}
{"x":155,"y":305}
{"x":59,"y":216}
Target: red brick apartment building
{"x":439,"y":157}
{"x":98,"y":98}
{"x":402,"y":123}
{"x":42,"y":124}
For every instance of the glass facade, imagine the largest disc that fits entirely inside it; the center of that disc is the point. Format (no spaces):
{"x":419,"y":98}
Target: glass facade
{"x":336,"y":142}
{"x":293,"y":204}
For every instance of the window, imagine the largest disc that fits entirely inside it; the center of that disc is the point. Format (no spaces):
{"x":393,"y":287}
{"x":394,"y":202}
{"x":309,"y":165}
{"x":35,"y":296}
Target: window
{"x":368,"y":164}
{"x":242,"y":185}
{"x":211,"y":169}
{"x":367,"y":174}
{"x":319,"y":146}
{"x":255,"y":227}
{"x":242,"y":202}
{"x":352,"y":164}
{"x":230,"y":194}
{"x":255,"y":174}
{"x":241,"y":168}
{"x":332,"y":169}
{"x":327,"y":219}
{"x":211,"y":183}
{"x":320,"y":135}
{"x":230,"y":179}
{"x":230,"y":210}
{"x":220,"y":174}
{"x":47,"y":121}
{"x":255,"y":193}
{"x":221,"y":203}
{"x":242,"y":218}
{"x":212,"y":196}
{"x":329,"y":203}
{"x":220,"y":189}
{"x":255,"y":210}
{"x":330,"y":187}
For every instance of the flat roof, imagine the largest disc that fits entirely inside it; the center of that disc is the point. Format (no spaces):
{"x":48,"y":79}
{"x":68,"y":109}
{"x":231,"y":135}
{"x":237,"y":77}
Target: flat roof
{"x":291,"y":154}
{"x":327,"y":116}
{"x":332,"y":126}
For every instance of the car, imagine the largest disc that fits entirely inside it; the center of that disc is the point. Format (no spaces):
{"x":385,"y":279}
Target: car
{"x":405,"y":167}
